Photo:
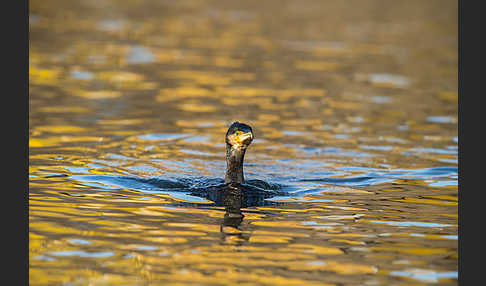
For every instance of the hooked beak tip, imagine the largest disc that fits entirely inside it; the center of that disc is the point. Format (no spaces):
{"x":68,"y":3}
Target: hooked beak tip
{"x":246,"y":137}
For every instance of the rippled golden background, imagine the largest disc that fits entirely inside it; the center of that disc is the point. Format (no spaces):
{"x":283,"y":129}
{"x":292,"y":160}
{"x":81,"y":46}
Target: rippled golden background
{"x":337,"y":89}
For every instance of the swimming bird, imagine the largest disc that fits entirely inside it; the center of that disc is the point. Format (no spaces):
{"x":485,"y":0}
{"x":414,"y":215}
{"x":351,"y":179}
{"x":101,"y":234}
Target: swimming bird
{"x":238,"y":138}
{"x":235,"y":191}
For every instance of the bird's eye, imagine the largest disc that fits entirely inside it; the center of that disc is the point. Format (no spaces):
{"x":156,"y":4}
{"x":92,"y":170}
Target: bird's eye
{"x":237,"y":133}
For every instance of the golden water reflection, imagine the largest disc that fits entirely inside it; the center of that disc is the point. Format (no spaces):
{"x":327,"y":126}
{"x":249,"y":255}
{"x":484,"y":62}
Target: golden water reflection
{"x":353,"y":109}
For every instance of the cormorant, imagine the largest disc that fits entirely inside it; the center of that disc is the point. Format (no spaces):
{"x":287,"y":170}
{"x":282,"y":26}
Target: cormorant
{"x":238,"y":138}
{"x":234,"y":191}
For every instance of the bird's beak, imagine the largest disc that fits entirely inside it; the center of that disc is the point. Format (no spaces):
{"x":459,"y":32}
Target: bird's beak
{"x":245,"y":138}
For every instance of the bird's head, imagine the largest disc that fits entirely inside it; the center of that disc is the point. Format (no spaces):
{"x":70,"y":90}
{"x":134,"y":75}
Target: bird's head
{"x":239,"y":135}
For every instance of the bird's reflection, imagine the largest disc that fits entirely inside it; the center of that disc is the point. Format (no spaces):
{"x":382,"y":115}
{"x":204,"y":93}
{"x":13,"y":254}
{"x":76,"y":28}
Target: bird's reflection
{"x":234,"y":197}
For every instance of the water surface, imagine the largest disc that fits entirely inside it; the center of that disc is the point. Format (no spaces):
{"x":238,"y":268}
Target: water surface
{"x":354,"y":110}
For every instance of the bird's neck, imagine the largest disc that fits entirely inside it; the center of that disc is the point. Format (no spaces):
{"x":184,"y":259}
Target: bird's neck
{"x":234,"y":165}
